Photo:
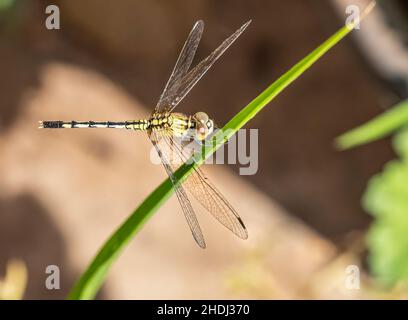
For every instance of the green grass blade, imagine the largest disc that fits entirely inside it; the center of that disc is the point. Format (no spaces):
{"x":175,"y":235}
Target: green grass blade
{"x":92,"y":279}
{"x":375,"y":129}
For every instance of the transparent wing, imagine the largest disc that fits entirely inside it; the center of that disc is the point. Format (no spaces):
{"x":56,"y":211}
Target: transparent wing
{"x":165,"y":153}
{"x":204,"y":191}
{"x":189,"y":81}
{"x":182,"y":66}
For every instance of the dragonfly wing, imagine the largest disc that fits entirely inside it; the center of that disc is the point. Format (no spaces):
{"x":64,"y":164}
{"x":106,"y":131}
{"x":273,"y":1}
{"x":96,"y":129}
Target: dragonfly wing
{"x":182,"y":66}
{"x":164,"y":152}
{"x":189,"y":81}
{"x":206,"y":193}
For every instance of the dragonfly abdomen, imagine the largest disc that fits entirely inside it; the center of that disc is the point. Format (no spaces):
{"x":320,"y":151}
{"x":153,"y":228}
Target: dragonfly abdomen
{"x":178,"y":123}
{"x":142,"y":124}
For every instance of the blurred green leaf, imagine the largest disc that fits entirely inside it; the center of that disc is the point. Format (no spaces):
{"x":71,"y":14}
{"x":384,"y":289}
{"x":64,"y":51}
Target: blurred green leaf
{"x":401,"y":143}
{"x":375,"y":129}
{"x":6,"y":4}
{"x":386,"y":198}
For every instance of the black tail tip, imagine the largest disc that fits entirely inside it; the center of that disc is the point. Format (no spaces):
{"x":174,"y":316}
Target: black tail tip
{"x":51,"y":124}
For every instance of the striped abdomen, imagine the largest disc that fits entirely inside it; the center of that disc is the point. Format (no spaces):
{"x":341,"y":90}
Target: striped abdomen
{"x":178,"y":122}
{"x":142,"y":124}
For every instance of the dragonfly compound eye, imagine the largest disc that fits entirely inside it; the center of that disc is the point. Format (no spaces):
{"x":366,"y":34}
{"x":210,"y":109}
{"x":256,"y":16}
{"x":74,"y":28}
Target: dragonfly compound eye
{"x":204,"y":125}
{"x":201,"y":117}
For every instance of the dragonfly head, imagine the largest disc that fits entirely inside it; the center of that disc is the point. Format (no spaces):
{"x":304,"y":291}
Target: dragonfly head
{"x":203,"y":124}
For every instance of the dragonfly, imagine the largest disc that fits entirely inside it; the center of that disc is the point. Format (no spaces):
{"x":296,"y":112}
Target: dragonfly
{"x":169,"y":131}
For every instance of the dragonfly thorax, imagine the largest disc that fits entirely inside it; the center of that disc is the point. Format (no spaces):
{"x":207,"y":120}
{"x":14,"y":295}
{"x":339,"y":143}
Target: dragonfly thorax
{"x":199,"y":125}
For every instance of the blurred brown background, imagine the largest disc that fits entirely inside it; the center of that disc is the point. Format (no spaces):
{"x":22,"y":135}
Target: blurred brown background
{"x":64,"y":192}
